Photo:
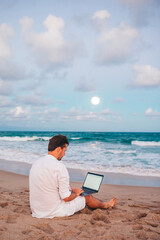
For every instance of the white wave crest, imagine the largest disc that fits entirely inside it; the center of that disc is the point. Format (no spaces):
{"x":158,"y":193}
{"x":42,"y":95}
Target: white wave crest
{"x":75,"y":138}
{"x":121,"y":151}
{"x":146,"y":144}
{"x":24,"y":139}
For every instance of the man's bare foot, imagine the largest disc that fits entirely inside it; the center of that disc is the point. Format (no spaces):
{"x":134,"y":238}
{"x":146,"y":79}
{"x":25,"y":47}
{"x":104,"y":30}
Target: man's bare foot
{"x":111,"y":203}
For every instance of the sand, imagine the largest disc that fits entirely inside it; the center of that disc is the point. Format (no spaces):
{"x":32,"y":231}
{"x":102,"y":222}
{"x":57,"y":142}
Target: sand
{"x":136,"y":216}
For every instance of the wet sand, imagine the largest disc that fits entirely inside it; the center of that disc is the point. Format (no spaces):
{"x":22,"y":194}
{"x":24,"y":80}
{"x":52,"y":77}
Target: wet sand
{"x":136,"y":216}
{"x":77,"y":175}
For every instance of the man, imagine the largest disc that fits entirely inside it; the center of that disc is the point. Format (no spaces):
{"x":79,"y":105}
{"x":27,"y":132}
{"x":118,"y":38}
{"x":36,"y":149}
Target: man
{"x":50,"y":192}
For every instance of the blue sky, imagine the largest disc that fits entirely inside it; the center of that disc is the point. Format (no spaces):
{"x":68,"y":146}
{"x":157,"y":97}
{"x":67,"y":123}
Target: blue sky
{"x":56,"y":55}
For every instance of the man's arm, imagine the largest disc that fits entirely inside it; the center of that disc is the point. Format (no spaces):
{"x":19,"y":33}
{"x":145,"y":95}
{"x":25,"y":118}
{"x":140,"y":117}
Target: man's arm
{"x":75,"y":193}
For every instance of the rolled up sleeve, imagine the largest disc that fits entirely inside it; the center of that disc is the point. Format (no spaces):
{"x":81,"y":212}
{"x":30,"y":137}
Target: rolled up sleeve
{"x":63,"y":182}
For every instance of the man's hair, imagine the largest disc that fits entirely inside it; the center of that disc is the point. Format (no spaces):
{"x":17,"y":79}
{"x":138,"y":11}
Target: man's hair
{"x":57,"y":141}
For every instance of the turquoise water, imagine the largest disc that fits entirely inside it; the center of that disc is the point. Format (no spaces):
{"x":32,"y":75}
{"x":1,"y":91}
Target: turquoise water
{"x":133,"y":153}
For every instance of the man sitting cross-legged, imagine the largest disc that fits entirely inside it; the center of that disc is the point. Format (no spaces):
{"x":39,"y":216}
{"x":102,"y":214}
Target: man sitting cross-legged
{"x":50,"y":192}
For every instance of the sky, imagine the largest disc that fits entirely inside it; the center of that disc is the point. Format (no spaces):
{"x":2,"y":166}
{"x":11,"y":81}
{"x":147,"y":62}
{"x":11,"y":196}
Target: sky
{"x":56,"y":55}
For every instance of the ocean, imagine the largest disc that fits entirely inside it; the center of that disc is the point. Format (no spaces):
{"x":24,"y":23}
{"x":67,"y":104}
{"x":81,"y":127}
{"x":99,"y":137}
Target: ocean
{"x":116,"y":152}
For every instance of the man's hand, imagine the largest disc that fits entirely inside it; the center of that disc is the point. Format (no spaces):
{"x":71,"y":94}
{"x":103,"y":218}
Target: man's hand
{"x":75,"y":193}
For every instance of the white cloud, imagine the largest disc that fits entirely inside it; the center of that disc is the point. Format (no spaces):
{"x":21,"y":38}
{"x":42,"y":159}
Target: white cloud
{"x":6,"y":32}
{"x":102,"y":14}
{"x":116,"y":45}
{"x":20,"y":112}
{"x":150,"y":113}
{"x":26,"y":23}
{"x":146,"y":76}
{"x":86,"y":116}
{"x":105,"y":115}
{"x":50,"y":46}
{"x":74,"y":114}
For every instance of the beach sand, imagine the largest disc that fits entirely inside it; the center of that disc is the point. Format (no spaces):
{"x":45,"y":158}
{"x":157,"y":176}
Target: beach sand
{"x":136,"y":216}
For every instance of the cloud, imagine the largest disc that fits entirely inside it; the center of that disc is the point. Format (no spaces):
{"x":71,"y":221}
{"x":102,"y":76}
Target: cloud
{"x":111,"y":116}
{"x":6,"y":33}
{"x":141,"y":10}
{"x":101,"y":15}
{"x":116,"y":45}
{"x":74,"y":114}
{"x":150,"y":112}
{"x":86,"y":116}
{"x":26,"y":23}
{"x":106,"y":111}
{"x":5,"y":88}
{"x":153,"y":114}
{"x":104,"y":115}
{"x":50,"y":46}
{"x":51,"y":110}
{"x":9,"y":70}
{"x":35,"y":100}
{"x":19,"y":112}
{"x":146,"y":76}
{"x":85,"y":86}
{"x":48,"y":115}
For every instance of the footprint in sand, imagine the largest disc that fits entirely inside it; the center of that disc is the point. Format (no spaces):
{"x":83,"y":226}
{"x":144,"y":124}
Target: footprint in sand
{"x":152,"y":224}
{"x":86,"y":211}
{"x":2,"y":230}
{"x":22,"y":210}
{"x":141,"y":215}
{"x":97,"y":216}
{"x":12,"y":218}
{"x":141,"y":235}
{"x":3,"y":204}
{"x":26,"y":232}
{"x":45,"y":228}
{"x":155,"y":211}
{"x":137,"y":227}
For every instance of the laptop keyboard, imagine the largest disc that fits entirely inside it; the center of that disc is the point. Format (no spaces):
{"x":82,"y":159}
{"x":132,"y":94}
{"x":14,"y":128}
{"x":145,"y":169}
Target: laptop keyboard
{"x":88,"y":191}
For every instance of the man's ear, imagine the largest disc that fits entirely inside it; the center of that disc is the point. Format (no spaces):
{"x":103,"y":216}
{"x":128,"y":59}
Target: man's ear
{"x":58,"y":149}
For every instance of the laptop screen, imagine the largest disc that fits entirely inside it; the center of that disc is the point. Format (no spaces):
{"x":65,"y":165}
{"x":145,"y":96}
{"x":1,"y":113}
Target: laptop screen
{"x":93,"y":181}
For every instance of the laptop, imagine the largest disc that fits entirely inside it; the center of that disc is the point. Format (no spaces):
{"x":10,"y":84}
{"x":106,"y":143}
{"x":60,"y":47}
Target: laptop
{"x":91,"y":183}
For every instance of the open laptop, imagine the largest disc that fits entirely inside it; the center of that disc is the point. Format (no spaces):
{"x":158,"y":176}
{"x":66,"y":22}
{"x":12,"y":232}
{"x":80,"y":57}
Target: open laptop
{"x":91,"y":183}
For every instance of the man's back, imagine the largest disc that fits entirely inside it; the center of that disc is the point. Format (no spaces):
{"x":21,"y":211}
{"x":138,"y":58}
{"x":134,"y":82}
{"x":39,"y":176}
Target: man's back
{"x":49,"y":184}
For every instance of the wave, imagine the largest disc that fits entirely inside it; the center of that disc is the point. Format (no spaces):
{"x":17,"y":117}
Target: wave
{"x":146,"y":143}
{"x":34,"y":138}
{"x":75,"y":138}
{"x":24,"y":139}
{"x":121,"y":151}
{"x":137,"y":171}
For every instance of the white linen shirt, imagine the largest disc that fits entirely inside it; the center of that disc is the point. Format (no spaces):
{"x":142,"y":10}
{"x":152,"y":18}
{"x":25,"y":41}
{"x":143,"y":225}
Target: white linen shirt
{"x":49,"y":185}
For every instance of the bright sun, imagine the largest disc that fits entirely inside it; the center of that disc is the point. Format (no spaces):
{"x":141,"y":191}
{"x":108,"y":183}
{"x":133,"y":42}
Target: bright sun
{"x":95,"y":100}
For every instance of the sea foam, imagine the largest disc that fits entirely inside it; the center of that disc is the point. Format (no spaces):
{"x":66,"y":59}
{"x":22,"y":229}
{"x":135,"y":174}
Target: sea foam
{"x":146,"y":143}
{"x":24,"y":139}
